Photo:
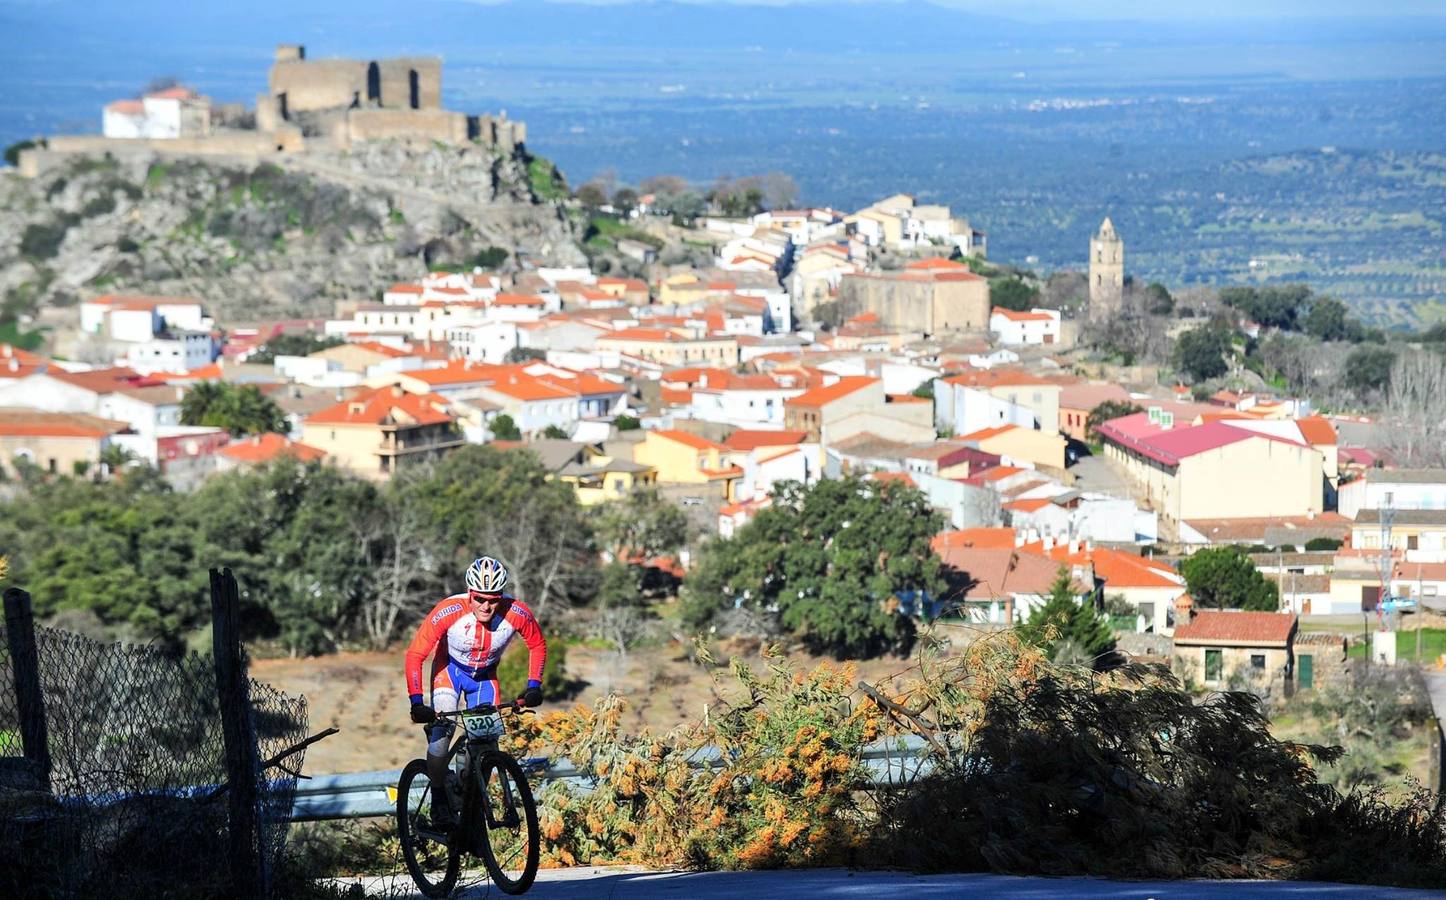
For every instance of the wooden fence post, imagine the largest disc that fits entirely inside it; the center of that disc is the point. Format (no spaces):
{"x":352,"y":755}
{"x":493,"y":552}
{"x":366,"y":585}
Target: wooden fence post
{"x":242,"y":763}
{"x":29,"y":701}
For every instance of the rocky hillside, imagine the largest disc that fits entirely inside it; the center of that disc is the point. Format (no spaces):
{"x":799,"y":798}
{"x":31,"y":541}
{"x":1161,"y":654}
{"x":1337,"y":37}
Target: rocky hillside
{"x":283,"y":239}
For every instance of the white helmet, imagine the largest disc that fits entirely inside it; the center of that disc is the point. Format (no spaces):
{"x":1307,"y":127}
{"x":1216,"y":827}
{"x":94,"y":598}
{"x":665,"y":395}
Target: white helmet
{"x":486,"y":576}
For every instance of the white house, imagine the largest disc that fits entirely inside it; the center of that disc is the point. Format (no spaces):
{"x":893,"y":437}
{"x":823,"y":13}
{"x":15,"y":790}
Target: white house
{"x":1394,"y":488}
{"x":144,"y":409}
{"x":318,"y":371}
{"x":533,"y":403}
{"x":766,"y":466}
{"x":168,"y":114}
{"x":959,"y":409}
{"x":740,"y":400}
{"x":1038,"y":326}
{"x":487,"y":342}
{"x":180,"y":352}
{"x":49,"y":391}
{"x":127,"y":318}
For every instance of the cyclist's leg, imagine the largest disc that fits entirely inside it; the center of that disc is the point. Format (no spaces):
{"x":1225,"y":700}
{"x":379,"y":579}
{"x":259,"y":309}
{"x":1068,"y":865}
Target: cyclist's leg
{"x":444,"y":699}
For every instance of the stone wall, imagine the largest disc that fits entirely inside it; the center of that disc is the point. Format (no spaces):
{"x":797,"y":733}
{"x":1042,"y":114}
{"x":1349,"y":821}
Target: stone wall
{"x":423,"y":124}
{"x":244,"y":147}
{"x":311,"y":85}
{"x":910,"y":304}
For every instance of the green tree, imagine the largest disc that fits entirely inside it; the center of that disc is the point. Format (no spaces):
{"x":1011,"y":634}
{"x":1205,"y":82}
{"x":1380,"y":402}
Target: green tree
{"x":925,"y":390}
{"x":302,"y":344}
{"x":240,"y":409}
{"x":592,"y":196}
{"x":1225,"y":578}
{"x":1064,"y":623}
{"x":1368,"y":369}
{"x":1322,"y":543}
{"x":504,"y":429}
{"x":1200,"y":352}
{"x":503,"y":503}
{"x":1272,"y":307}
{"x":625,"y":200}
{"x":1110,"y":409}
{"x":1159,"y":300}
{"x":299,"y":538}
{"x":1013,"y":293}
{"x":827,"y":561}
{"x":641,"y":525}
{"x":1328,"y":320}
{"x":626,"y":423}
{"x":12,"y":152}
{"x":553,"y":432}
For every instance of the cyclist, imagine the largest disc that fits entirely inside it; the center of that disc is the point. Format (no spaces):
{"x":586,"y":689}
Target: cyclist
{"x":474,"y":628}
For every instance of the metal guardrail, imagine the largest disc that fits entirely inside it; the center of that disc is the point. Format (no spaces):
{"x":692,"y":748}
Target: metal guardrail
{"x":360,"y":795}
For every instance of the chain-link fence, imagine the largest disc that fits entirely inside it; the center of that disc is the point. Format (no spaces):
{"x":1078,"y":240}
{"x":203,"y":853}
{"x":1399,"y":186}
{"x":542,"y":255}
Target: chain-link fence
{"x":136,"y":803}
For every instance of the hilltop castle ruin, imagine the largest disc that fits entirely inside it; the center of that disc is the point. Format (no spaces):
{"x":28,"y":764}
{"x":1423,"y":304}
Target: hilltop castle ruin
{"x":345,"y":100}
{"x":309,"y":104}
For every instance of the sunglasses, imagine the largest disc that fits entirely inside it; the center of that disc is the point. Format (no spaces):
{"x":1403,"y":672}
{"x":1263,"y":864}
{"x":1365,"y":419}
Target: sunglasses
{"x":480,"y":597}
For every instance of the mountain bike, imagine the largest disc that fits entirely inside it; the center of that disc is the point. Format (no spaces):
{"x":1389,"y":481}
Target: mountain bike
{"x":496,"y":814}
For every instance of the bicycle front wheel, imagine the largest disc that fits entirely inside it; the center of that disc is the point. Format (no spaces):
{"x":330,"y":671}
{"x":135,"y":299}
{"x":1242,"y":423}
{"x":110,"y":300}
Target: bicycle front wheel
{"x":431,"y":859}
{"x":511,"y":838}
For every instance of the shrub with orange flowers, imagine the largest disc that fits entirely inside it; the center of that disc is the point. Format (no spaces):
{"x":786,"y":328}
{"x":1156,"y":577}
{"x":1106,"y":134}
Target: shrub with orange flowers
{"x":1034,"y":768}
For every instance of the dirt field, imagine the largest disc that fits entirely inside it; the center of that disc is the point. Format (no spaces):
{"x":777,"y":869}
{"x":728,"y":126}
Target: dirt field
{"x":363,"y":694}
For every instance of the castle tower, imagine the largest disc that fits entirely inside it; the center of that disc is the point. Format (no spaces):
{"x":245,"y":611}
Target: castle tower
{"x":1107,"y":268}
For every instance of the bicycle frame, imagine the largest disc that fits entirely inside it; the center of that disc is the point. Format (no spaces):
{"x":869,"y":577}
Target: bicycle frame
{"x":471,"y":777}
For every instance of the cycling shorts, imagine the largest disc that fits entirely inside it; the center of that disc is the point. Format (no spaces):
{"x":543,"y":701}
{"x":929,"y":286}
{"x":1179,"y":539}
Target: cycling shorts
{"x":456,"y":686}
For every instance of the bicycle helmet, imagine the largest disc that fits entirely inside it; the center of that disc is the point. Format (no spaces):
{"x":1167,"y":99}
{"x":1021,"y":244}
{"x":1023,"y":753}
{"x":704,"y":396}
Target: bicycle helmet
{"x":486,"y":576}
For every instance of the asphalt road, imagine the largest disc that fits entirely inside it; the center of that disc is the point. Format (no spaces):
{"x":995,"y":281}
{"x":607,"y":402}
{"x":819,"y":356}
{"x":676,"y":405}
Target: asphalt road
{"x":623,"y":883}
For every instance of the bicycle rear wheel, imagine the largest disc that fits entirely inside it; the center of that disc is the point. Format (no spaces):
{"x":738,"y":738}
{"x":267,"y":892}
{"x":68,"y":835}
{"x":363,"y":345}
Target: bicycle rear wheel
{"x":511,"y":837}
{"x":431,"y":860}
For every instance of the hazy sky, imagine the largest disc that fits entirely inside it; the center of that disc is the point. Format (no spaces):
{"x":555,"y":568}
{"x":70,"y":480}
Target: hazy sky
{"x":1158,"y":10}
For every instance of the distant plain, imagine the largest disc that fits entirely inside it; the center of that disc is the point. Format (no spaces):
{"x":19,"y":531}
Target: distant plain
{"x":1308,"y":150}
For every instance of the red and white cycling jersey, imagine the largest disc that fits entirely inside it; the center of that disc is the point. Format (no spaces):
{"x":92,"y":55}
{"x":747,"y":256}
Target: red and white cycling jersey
{"x":472,"y":645}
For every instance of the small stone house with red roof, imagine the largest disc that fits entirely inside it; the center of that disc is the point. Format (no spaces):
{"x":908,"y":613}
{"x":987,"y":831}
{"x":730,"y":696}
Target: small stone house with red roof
{"x":1216,"y":648}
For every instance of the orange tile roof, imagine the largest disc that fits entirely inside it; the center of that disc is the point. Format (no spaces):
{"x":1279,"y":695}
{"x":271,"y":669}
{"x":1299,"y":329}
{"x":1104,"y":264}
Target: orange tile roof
{"x":646,"y":335}
{"x":983,"y":538}
{"x":128,"y":107}
{"x":404,"y":288}
{"x":1029,"y":505}
{"x":901,"y":477}
{"x":1014,"y":316}
{"x":382,"y":406}
{"x":212,"y":372}
{"x":459,"y":372}
{"x":266,"y":447}
{"x":905,"y":398}
{"x":745,"y":439}
{"x":1317,"y":430}
{"x":37,"y":423}
{"x":985,"y":434}
{"x":824,"y":395}
{"x":1234,"y":626}
{"x":528,"y":388}
{"x":688,"y":439}
{"x":999,"y":473}
{"x":384,"y":349}
{"x":518,"y":300}
{"x":676,"y":396}
{"x":987,"y":378}
{"x":937,"y":263}
{"x":100,"y":381}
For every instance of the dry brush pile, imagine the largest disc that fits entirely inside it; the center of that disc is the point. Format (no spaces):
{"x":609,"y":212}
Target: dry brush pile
{"x":1036,"y":768}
